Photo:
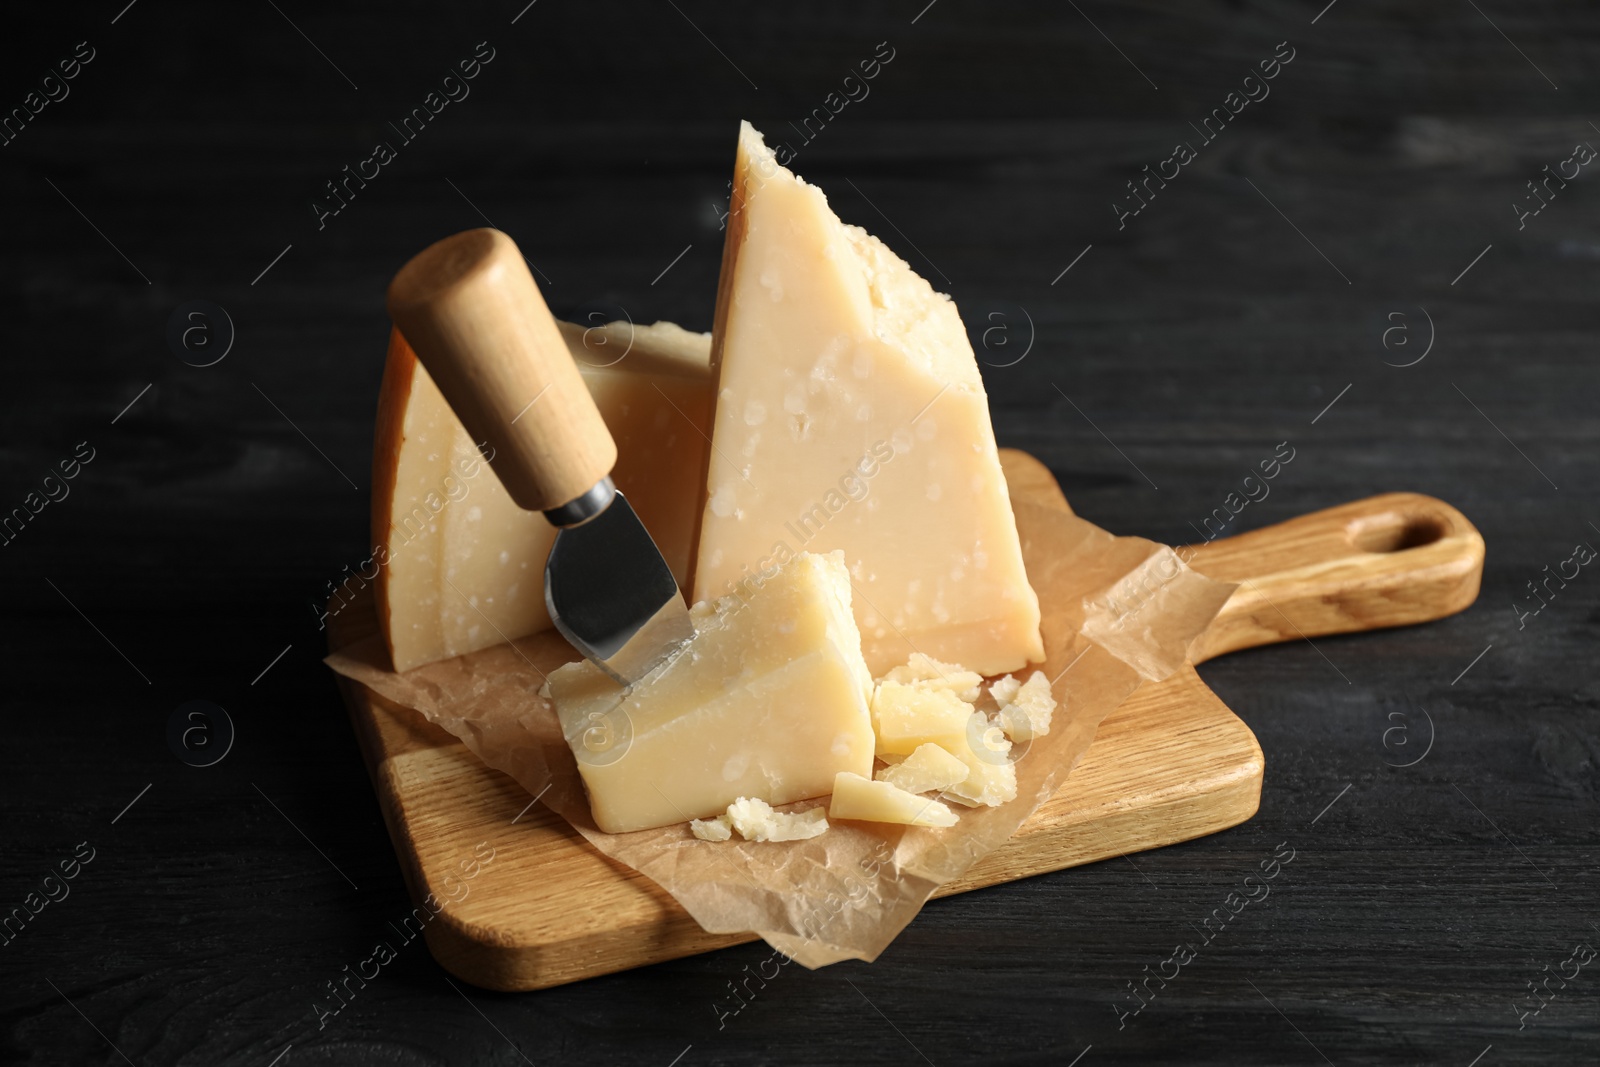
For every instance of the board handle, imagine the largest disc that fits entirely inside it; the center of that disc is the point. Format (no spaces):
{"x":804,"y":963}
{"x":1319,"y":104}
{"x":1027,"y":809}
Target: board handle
{"x":470,"y":309}
{"x":1389,"y":560}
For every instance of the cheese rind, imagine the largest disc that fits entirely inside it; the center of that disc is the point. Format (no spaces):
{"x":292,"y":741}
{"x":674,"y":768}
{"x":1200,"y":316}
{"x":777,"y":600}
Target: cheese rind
{"x":463,"y":565}
{"x":850,"y":415}
{"x":855,"y":797}
{"x":769,"y":701}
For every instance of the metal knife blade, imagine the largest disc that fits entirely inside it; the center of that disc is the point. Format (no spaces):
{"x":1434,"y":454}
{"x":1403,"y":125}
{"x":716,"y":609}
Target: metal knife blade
{"x":470,"y":308}
{"x":611,"y":594}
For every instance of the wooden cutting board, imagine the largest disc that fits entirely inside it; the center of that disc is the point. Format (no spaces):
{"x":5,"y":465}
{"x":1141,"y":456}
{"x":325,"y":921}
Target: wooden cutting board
{"x":1171,"y":764}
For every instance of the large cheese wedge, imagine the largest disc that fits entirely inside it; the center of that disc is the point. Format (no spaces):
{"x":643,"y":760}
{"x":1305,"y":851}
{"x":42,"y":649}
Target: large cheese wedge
{"x":850,"y":415}
{"x":768,"y":702}
{"x":463,"y":566}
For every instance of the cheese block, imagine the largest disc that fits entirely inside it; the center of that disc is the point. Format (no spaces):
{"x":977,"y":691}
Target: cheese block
{"x":850,"y":415}
{"x":769,"y":702}
{"x":462,"y":566}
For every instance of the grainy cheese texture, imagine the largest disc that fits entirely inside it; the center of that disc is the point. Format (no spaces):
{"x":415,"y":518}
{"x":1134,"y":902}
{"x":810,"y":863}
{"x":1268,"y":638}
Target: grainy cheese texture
{"x":768,"y":702}
{"x":465,"y":564}
{"x":850,"y":416}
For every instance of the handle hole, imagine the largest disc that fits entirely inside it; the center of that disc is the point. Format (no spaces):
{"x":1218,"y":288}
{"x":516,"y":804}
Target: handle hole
{"x":1396,"y":533}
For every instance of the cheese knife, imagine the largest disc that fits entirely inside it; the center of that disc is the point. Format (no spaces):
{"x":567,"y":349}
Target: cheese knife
{"x":472,"y":312}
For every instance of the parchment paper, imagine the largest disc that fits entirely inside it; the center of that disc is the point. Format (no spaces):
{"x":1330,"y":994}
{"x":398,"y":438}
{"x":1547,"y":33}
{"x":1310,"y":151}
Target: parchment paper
{"x":849,"y":892}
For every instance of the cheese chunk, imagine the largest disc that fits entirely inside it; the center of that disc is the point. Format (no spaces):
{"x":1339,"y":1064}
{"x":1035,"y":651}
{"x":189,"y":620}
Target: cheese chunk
{"x":464,"y":565}
{"x":991,"y":776}
{"x":1004,"y":689}
{"x":905,"y":717}
{"x":928,"y":769}
{"x":769,"y":702}
{"x":925,"y":672}
{"x":756,"y":821}
{"x":855,"y":797}
{"x":850,"y":415}
{"x":718,"y":829}
{"x":1027,"y":711}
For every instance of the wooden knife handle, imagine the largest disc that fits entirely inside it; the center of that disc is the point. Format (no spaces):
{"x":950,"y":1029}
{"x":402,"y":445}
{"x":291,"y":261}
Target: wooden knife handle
{"x":469,"y":308}
{"x":1389,"y":560}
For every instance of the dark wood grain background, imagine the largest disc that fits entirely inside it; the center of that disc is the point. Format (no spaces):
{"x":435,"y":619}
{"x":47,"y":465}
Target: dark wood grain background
{"x":1251,"y":293}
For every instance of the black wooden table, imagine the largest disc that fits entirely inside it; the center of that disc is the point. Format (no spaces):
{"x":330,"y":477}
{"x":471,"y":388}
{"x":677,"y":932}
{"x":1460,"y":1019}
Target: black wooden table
{"x":1354,"y":263}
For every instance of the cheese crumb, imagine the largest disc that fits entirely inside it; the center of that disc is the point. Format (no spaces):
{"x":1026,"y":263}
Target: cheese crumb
{"x":927,"y":769}
{"x":855,"y":797}
{"x":1004,"y":690}
{"x":932,"y":737}
{"x":756,"y":821}
{"x":1027,"y":709}
{"x":718,"y":829}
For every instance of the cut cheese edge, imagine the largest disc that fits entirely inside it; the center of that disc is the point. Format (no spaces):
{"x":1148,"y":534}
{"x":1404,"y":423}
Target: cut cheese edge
{"x":850,"y":416}
{"x":768,"y":702}
{"x":464,"y":565}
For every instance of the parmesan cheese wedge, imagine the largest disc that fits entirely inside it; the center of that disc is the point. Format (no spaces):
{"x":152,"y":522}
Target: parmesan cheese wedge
{"x":768,"y":702}
{"x":850,"y":415}
{"x":462,"y":565}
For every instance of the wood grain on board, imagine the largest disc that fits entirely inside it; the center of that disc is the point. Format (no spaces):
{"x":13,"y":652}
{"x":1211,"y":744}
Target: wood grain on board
{"x":1169,"y":765}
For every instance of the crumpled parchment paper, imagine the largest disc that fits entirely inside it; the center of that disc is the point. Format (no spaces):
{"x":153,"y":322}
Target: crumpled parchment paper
{"x":1117,"y":612}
